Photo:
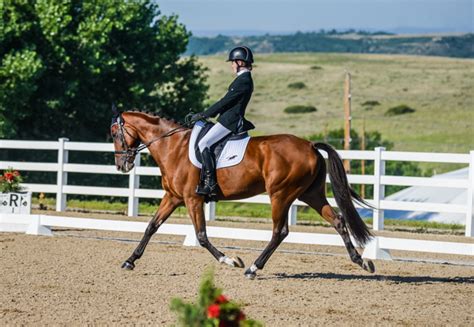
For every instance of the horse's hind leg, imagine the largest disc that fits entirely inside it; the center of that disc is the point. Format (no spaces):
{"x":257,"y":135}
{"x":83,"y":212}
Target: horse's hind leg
{"x":167,"y":206}
{"x":195,"y":209}
{"x":317,"y":200}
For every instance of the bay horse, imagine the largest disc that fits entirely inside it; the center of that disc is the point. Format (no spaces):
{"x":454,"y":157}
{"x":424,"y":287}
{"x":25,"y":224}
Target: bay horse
{"x":284,"y":166}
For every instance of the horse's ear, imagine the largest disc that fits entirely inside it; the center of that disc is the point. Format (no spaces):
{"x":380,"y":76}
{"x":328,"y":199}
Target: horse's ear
{"x":115,"y":113}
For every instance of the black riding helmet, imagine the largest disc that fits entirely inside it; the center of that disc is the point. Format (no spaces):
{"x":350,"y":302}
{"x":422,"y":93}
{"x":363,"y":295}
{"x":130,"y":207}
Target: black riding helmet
{"x":241,"y":53}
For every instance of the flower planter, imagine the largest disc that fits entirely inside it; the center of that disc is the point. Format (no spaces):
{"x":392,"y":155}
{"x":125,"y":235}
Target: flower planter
{"x":19,"y":203}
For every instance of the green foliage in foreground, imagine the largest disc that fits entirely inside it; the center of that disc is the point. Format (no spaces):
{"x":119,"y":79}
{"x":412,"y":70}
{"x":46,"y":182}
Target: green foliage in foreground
{"x":211,"y":308}
{"x":299,"y":109}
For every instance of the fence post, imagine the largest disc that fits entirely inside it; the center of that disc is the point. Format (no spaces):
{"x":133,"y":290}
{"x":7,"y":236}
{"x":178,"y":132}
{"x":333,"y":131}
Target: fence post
{"x":470,"y":199}
{"x":379,"y":189}
{"x":63,"y":157}
{"x":210,"y":211}
{"x":292,"y":214}
{"x":133,"y":183}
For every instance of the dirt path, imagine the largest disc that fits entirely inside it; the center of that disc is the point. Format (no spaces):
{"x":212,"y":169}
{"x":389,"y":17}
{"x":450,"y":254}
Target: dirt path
{"x":75,"y":278}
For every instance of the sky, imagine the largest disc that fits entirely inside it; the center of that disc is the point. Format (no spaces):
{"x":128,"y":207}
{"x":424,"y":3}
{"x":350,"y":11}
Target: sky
{"x":210,"y":17}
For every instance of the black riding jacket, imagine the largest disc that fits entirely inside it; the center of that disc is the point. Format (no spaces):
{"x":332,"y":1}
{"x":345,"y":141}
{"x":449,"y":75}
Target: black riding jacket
{"x":232,"y":106}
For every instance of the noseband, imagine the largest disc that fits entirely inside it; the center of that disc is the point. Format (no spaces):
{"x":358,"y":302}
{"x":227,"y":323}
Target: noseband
{"x":129,"y":152}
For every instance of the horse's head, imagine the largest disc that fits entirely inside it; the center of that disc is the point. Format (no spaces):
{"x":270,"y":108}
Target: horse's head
{"x":126,"y":141}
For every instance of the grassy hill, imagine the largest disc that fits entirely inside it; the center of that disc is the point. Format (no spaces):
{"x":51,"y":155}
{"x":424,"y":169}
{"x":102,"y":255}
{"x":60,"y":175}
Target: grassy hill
{"x":441,"y":90}
{"x":445,"y":45}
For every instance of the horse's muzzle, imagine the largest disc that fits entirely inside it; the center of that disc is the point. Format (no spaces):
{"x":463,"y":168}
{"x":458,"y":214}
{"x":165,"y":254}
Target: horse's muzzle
{"x":125,"y":166}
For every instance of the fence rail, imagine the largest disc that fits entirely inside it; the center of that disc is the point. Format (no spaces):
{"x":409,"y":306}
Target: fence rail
{"x":378,"y":248}
{"x":379,"y":180}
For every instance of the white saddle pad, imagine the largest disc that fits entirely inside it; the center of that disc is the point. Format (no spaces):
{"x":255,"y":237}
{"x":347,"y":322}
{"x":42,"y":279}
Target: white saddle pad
{"x":231,"y":155}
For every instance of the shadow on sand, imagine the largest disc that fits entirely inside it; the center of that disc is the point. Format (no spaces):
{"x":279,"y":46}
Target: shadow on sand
{"x":382,"y":278}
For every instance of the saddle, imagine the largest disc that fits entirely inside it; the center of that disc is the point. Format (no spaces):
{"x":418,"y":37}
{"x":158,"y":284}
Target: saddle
{"x":217,"y":148}
{"x":227,"y":152}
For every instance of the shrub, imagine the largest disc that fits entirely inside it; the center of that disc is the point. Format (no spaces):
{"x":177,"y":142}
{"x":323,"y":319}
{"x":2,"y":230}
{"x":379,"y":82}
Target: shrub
{"x":299,"y":109}
{"x":297,"y":85}
{"x":212,"y":308}
{"x":371,"y":103}
{"x":316,"y":67}
{"x":399,"y":110}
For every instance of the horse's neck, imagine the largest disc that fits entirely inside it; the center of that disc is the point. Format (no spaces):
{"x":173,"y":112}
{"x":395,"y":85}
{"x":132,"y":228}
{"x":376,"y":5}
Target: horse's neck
{"x":165,"y":150}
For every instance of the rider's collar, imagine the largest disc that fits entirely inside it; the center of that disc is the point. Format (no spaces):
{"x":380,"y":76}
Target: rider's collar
{"x":243,"y":70}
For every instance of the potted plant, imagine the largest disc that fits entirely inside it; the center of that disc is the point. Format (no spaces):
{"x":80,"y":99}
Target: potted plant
{"x":13,"y":199}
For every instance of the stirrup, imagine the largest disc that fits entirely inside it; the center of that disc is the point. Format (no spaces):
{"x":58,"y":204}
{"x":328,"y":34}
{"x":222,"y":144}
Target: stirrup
{"x":207,"y":190}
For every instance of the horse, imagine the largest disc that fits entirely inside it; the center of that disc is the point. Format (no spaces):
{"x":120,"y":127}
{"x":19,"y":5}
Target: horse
{"x":284,"y":166}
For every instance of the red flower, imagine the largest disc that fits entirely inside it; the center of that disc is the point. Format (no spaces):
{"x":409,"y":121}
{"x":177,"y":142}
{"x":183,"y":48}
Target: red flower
{"x":241,"y":316}
{"x":221,"y":299}
{"x":213,"y":311}
{"x":16,"y":173}
{"x":9,"y":177}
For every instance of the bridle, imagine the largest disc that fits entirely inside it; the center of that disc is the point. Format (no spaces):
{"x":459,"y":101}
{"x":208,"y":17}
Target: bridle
{"x":131,"y":152}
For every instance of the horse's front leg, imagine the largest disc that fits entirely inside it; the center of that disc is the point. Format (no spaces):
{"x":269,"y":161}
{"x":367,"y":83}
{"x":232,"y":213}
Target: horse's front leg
{"x":196,"y":212}
{"x":167,"y":206}
{"x":280,"y":207}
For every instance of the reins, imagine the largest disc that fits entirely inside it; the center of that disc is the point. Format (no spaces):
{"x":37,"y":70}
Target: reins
{"x":134,"y":151}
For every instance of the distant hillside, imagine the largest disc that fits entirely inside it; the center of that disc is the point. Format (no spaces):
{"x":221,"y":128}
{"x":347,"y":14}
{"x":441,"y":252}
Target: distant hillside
{"x":460,"y":46}
{"x":439,"y":89}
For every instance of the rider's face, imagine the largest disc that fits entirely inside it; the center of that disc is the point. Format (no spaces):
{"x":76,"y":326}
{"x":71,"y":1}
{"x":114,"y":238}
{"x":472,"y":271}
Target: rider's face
{"x":234,"y":67}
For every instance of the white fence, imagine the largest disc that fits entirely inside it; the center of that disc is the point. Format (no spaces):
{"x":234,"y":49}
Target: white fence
{"x":379,"y":180}
{"x":378,"y":248}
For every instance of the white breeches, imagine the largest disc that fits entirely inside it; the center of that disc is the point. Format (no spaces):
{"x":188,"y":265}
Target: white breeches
{"x":215,"y":134}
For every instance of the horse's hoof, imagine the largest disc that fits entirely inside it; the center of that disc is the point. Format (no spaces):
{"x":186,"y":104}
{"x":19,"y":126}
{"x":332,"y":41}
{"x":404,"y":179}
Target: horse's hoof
{"x":232,"y":262}
{"x":128,"y":265}
{"x":250,"y":274}
{"x":369,"y":266}
{"x":238,"y":262}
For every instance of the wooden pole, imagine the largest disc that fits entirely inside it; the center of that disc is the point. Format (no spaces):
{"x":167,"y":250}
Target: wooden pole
{"x":326,"y":132}
{"x":347,"y":119}
{"x":362,"y":147}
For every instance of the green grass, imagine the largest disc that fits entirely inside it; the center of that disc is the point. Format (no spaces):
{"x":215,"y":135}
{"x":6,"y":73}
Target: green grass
{"x":441,"y":90}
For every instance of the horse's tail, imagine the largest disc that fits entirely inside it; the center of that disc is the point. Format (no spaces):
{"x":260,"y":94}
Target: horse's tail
{"x":344,"y":194}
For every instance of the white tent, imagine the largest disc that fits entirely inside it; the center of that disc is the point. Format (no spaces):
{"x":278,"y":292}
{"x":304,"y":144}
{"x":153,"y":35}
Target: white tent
{"x":432,"y":194}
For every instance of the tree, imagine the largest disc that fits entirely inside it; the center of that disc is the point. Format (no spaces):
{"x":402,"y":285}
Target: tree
{"x":63,"y":63}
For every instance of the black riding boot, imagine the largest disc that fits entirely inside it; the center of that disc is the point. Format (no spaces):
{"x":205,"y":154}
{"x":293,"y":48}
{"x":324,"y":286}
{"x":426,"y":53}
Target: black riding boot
{"x":209,"y":186}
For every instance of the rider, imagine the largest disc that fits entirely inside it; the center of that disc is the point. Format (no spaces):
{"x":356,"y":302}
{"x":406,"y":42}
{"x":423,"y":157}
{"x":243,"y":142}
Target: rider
{"x":231,"y":109}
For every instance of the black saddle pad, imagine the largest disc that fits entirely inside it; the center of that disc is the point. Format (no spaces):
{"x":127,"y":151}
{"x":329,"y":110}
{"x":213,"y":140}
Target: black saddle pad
{"x":217,"y":148}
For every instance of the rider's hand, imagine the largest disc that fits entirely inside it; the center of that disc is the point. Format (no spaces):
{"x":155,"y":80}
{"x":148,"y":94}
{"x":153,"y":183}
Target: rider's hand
{"x":198,"y":116}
